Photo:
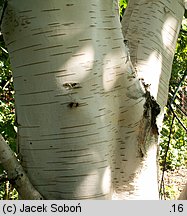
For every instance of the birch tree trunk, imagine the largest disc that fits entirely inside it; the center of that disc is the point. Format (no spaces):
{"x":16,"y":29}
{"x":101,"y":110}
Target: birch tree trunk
{"x":87,"y":122}
{"x":150,"y":29}
{"x":69,"y":75}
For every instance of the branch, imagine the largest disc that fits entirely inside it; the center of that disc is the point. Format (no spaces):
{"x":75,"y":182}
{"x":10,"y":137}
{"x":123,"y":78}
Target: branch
{"x":170,"y":107}
{"x":165,"y":158}
{"x":184,"y":113}
{"x":16,"y":174}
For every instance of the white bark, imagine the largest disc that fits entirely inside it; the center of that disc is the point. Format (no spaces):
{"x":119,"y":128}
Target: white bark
{"x":183,"y":195}
{"x":87,"y":124}
{"x":185,"y":4}
{"x":150,"y":30}
{"x":15,"y":172}
{"x":69,"y":75}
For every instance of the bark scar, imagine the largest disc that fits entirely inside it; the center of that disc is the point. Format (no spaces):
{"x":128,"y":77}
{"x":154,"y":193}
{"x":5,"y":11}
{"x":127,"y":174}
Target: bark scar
{"x":148,"y":131}
{"x":151,"y":110}
{"x":73,"y":104}
{"x":71,"y":85}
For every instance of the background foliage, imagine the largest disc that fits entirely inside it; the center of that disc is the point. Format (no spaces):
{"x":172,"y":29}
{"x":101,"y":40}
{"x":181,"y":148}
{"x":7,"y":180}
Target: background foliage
{"x":177,"y":151}
{"x":7,"y":111}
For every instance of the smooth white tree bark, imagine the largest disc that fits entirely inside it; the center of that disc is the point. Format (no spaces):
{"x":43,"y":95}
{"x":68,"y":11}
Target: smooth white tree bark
{"x":69,"y":77}
{"x":87,"y":122}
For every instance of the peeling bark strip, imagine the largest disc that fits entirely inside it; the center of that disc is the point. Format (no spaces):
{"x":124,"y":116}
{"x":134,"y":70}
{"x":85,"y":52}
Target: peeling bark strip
{"x":148,"y":134}
{"x":151,"y":111}
{"x":16,"y":174}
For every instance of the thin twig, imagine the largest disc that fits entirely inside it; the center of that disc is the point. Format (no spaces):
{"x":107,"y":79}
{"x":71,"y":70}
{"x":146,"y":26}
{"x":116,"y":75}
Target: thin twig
{"x":177,"y":89}
{"x":180,"y":109}
{"x":164,"y":164}
{"x":3,"y":12}
{"x":170,"y":107}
